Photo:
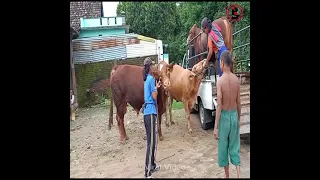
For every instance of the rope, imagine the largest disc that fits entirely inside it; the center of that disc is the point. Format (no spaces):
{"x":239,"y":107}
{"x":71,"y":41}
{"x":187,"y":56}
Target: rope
{"x":166,"y":157}
{"x":157,"y":133}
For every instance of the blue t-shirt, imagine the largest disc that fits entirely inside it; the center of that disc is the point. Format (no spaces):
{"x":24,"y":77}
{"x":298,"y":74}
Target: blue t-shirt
{"x":149,"y":102}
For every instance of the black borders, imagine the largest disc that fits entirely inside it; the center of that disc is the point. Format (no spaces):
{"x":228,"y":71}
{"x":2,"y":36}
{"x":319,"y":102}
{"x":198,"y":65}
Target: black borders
{"x":45,"y":72}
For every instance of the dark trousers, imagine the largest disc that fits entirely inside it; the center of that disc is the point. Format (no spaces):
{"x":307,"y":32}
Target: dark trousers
{"x":150,"y":125}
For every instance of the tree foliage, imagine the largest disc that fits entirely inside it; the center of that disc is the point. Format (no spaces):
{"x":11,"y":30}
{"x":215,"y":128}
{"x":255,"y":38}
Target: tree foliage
{"x":171,"y":22}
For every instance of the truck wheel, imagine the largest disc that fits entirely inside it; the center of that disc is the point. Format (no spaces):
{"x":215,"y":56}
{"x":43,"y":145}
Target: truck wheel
{"x":204,"y":114}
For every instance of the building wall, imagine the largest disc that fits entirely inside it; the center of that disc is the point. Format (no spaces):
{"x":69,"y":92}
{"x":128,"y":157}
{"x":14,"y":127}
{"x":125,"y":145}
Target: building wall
{"x":83,"y":9}
{"x":101,"y":32}
{"x":86,"y":74}
{"x":144,"y":48}
{"x":102,"y":21}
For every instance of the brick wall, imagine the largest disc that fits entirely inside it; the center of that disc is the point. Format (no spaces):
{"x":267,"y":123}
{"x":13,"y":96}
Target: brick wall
{"x":83,"y":9}
{"x":86,"y":74}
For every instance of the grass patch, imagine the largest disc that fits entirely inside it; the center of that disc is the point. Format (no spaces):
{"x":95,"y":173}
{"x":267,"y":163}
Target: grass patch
{"x":177,"y":105}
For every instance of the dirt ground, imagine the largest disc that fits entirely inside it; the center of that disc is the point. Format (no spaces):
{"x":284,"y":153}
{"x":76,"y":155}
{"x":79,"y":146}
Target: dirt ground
{"x":96,"y":152}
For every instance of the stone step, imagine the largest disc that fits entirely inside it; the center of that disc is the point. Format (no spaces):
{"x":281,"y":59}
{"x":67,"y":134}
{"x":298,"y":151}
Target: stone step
{"x":245,"y":129}
{"x":245,"y":123}
{"x":244,"y":103}
{"x":244,"y":77}
{"x":245,"y":110}
{"x":244,"y":88}
{"x":245,"y":118}
{"x":245,"y":93}
{"x":244,"y":98}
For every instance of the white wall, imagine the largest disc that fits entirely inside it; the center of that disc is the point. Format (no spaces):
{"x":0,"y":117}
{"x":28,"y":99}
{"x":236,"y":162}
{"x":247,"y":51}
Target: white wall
{"x":110,"y":8}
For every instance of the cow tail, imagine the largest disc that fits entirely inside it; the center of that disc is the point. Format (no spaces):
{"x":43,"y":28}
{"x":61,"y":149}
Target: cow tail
{"x":111,"y":101}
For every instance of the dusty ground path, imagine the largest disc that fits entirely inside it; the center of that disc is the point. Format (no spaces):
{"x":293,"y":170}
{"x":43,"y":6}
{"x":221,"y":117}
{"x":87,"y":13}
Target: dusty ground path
{"x":95,"y":152}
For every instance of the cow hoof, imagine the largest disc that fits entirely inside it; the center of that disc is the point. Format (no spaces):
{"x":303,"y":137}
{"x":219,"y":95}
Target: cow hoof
{"x":123,"y":142}
{"x":172,"y":122}
{"x":144,"y":137}
{"x":167,"y":124}
{"x":161,"y":138}
{"x":190,"y":130}
{"x":124,"y":139}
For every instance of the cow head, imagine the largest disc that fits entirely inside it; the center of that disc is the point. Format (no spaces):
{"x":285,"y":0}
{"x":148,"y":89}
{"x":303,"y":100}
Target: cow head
{"x":198,"y":69}
{"x":155,"y":72}
{"x":165,"y":69}
{"x":192,"y":33}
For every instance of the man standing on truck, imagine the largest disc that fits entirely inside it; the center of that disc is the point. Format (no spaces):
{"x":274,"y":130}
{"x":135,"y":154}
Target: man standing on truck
{"x":227,"y":123}
{"x":215,"y":41}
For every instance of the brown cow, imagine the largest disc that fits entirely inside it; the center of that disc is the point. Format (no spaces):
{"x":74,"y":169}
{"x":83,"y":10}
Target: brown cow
{"x":184,"y":84}
{"x":201,"y":42}
{"x":166,"y":97}
{"x":126,"y":82}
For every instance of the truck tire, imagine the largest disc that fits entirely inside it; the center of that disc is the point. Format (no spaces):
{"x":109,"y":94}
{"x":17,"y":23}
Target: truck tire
{"x":204,"y":114}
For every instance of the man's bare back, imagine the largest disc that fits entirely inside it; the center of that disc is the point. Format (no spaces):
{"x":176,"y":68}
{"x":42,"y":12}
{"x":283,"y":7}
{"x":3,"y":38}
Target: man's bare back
{"x":230,"y":88}
{"x":227,"y":131}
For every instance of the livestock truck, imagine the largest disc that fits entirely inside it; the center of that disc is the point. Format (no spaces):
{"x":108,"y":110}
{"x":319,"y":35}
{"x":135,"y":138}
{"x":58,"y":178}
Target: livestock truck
{"x":206,"y":103}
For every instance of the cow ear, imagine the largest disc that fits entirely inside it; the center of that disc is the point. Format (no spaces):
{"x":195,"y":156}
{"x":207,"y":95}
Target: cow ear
{"x":192,"y":75}
{"x":170,"y":66}
{"x":156,"y":74}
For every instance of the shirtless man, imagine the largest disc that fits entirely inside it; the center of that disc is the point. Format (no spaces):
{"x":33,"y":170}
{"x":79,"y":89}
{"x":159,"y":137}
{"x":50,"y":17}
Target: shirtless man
{"x":227,"y":123}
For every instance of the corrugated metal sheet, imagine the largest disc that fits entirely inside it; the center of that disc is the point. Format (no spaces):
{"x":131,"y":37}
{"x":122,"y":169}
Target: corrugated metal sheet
{"x":81,"y":57}
{"x":118,"y":36}
{"x":88,"y":44}
{"x":104,"y":48}
{"x":142,"y":49}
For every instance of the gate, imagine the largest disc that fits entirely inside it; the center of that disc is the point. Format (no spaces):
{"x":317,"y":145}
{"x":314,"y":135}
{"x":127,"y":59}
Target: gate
{"x":241,"y":50}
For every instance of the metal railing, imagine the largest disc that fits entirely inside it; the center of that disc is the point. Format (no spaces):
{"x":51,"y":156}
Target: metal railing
{"x":242,"y":56}
{"x":184,"y":57}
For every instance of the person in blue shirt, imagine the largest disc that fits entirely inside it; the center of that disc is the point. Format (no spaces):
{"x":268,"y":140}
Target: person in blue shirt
{"x":150,"y":116}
